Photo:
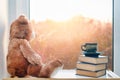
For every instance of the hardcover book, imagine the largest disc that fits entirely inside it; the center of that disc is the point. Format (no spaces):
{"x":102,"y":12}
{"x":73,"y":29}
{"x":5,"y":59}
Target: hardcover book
{"x":93,"y":60}
{"x":90,"y":67}
{"x":90,"y":73}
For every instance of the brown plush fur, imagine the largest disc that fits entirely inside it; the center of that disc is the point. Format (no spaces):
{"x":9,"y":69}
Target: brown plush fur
{"x":22,"y":60}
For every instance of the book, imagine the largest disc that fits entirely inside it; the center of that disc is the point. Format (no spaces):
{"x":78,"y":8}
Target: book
{"x":93,"y":60}
{"x":90,"y":73}
{"x":91,"y":67}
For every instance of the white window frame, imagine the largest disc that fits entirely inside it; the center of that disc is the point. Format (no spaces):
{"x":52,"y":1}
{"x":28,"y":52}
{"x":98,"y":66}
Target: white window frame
{"x":116,"y":32}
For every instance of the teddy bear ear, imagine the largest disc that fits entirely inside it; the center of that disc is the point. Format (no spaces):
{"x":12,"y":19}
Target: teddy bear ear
{"x":21,"y":15}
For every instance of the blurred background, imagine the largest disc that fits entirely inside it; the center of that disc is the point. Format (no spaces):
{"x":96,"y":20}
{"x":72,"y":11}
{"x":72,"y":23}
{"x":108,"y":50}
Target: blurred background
{"x":62,"y":26}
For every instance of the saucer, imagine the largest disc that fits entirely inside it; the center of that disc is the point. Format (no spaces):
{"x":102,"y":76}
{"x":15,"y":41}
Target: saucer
{"x":92,"y":54}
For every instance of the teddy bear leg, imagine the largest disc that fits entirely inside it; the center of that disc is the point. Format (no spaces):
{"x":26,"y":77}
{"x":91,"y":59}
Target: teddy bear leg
{"x":16,"y":72}
{"x":50,"y":68}
{"x":12,"y":72}
{"x":33,"y":70}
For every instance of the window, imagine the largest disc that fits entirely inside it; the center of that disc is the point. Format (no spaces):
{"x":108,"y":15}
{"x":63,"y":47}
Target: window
{"x":62,"y":26}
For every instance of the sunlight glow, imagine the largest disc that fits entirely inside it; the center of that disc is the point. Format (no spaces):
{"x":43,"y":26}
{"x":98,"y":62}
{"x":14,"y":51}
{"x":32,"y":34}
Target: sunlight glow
{"x":60,"y":10}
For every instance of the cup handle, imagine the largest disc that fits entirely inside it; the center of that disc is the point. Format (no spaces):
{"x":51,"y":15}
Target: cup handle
{"x":83,"y":48}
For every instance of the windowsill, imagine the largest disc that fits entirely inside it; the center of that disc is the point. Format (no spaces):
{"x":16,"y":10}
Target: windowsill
{"x":69,"y":75}
{"x":72,"y":74}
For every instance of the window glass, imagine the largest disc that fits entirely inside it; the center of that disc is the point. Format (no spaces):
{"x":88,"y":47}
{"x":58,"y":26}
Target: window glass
{"x":62,"y":26}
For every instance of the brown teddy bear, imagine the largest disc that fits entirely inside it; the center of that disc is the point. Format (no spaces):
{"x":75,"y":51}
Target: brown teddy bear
{"x":22,"y":60}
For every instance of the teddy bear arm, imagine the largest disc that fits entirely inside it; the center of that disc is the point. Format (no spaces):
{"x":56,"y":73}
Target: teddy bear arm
{"x":29,"y":53}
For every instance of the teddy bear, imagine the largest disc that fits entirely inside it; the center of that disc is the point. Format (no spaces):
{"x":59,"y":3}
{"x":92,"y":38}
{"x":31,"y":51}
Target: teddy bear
{"x":22,"y":60}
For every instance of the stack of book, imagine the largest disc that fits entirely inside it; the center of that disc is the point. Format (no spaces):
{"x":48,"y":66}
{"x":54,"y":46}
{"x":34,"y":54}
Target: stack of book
{"x":92,"y":66}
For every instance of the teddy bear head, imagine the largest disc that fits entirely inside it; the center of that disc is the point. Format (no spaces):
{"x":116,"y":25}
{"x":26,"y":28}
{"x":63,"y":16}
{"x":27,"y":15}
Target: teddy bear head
{"x":21,"y":29}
